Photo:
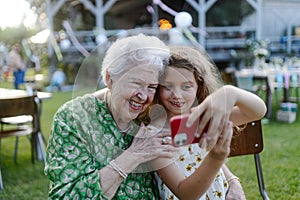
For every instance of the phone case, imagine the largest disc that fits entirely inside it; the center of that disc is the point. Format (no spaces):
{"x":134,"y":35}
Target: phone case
{"x":182,"y":135}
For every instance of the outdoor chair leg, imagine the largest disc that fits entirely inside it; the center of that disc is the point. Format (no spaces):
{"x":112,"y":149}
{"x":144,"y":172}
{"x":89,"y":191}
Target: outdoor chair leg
{"x":32,"y":142}
{"x":41,"y":151}
{"x":16,"y":149}
{"x":296,"y":94}
{"x":1,"y":131}
{"x":1,"y":183}
{"x":260,"y":177}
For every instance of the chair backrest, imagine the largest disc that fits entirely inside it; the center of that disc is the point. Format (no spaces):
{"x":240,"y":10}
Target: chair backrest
{"x":18,"y":106}
{"x":247,"y":140}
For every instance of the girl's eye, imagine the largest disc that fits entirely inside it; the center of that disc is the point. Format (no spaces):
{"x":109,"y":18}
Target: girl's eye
{"x":188,"y":86}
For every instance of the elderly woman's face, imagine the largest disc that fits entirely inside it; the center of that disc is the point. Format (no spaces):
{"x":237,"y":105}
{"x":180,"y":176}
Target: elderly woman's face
{"x":133,"y":91}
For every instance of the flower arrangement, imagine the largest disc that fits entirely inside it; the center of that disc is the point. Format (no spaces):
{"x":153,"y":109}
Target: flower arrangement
{"x":258,"y":48}
{"x":261,"y":53}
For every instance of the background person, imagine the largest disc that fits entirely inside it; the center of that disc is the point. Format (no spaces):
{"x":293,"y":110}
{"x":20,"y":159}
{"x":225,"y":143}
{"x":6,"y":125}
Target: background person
{"x":92,"y":150}
{"x":16,"y":65}
{"x":58,"y":80}
{"x":191,"y":80}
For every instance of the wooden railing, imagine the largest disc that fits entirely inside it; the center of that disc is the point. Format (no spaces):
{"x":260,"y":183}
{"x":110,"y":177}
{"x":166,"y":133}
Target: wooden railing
{"x":220,"y":41}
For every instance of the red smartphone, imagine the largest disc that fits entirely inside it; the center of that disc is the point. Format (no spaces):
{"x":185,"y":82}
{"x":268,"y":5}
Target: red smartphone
{"x":182,"y":135}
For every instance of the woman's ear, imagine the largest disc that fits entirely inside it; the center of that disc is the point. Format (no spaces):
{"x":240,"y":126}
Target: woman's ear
{"x":108,"y":80}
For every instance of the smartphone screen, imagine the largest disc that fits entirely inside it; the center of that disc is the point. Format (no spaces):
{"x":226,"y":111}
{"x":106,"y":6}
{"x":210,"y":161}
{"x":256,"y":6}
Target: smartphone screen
{"x":181,"y":134}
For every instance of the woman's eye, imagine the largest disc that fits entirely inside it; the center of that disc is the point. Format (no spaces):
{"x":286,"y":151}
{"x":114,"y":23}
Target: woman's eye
{"x":137,"y":83}
{"x":168,"y":87}
{"x":152,"y":89}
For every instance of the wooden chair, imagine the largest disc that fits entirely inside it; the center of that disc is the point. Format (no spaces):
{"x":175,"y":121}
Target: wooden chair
{"x":249,"y":140}
{"x":17,"y":121}
{"x":18,"y":107}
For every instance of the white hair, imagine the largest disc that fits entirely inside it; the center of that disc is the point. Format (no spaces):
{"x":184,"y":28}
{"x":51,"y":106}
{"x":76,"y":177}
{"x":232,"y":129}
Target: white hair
{"x":132,"y":51}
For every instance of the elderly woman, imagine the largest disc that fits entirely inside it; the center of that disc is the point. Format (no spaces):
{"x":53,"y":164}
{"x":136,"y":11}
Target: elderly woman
{"x":92,"y":152}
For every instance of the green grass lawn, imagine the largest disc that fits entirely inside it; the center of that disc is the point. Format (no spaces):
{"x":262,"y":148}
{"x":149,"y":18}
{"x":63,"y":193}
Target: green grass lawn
{"x":280,"y":161}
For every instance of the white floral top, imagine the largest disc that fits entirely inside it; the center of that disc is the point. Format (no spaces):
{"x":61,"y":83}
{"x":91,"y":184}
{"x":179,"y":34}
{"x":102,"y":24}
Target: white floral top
{"x":190,"y":159}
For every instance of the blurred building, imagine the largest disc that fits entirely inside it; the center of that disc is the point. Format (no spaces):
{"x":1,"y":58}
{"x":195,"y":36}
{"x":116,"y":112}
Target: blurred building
{"x":223,"y":35}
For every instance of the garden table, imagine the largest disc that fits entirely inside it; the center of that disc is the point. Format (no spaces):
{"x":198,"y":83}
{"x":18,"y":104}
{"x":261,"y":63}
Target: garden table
{"x":279,"y":79}
{"x":13,"y":93}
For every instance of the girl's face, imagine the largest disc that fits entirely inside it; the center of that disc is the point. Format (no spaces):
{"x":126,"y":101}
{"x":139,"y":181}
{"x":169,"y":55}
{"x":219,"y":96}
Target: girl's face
{"x":178,"y":90}
{"x":133,"y":92}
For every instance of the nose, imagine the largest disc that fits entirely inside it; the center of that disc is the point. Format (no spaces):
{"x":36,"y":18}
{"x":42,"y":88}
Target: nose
{"x":142,"y":95}
{"x":177,"y":93}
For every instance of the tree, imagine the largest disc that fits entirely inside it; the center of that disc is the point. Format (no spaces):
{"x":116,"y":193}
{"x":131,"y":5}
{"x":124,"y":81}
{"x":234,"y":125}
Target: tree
{"x":228,"y":13}
{"x":11,"y":35}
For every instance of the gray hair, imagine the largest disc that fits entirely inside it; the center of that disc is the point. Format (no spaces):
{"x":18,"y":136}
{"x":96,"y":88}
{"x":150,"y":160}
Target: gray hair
{"x":129,"y":52}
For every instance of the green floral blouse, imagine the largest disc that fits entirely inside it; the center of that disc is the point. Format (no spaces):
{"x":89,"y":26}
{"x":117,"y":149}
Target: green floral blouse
{"x":84,"y":138}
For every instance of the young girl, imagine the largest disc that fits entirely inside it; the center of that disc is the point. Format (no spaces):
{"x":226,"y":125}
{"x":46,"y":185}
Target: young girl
{"x":191,"y":80}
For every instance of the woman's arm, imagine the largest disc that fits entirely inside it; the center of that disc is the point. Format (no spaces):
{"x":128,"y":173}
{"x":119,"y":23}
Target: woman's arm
{"x":235,"y":190}
{"x":143,"y":149}
{"x":197,"y":184}
{"x":72,"y":167}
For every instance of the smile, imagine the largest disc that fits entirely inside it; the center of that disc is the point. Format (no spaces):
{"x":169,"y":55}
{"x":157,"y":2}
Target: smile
{"x":177,"y":104}
{"x":135,"y":106}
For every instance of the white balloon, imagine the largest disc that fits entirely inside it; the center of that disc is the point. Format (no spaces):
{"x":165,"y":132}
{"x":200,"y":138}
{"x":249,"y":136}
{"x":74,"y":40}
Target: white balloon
{"x":101,"y":38}
{"x":183,"y":19}
{"x":65,"y":44}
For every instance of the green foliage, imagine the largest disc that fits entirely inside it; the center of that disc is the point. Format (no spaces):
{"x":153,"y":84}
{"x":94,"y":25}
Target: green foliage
{"x":228,"y":13}
{"x":12,"y":35}
{"x":38,"y":5}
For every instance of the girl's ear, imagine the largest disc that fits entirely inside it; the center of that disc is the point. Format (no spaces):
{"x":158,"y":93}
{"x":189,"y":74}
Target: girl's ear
{"x":108,"y":80}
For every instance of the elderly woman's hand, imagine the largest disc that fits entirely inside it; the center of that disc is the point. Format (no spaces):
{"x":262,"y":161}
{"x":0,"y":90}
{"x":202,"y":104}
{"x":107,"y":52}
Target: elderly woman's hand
{"x":235,"y":191}
{"x":148,"y":145}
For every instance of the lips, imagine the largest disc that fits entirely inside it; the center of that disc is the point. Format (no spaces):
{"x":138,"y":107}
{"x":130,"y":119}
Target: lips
{"x":135,"y":105}
{"x":177,"y":104}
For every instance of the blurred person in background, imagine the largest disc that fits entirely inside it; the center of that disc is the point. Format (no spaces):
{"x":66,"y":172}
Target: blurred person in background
{"x":16,"y":65}
{"x":58,"y":80}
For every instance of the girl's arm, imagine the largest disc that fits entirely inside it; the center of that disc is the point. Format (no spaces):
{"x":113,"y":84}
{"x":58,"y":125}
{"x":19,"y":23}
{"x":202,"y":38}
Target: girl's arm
{"x":248,"y":107}
{"x":197,"y":184}
{"x":227,"y":103}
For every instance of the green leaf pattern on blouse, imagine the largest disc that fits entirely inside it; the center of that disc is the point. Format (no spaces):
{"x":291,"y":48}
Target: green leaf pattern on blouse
{"x":84,"y":138}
